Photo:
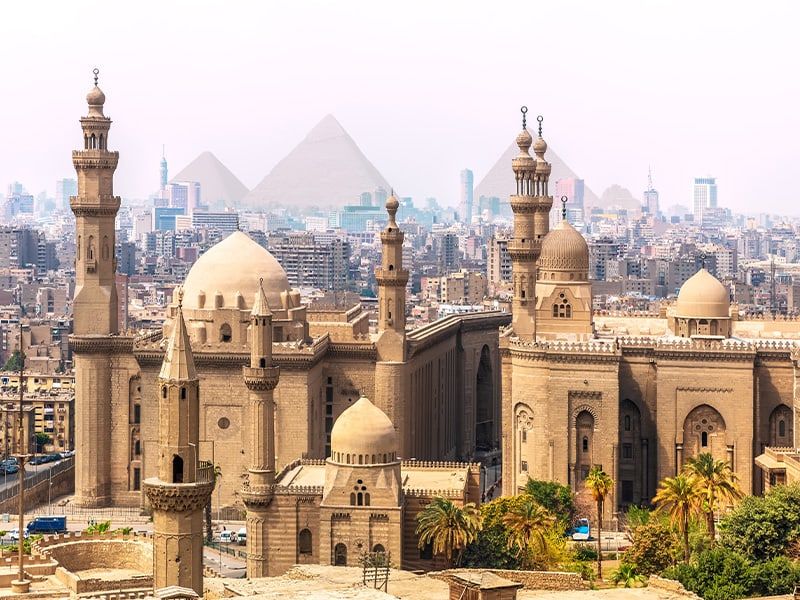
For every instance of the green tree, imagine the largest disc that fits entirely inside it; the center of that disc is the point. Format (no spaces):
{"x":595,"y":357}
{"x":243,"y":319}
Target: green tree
{"x":716,"y":574}
{"x":528,"y":524}
{"x":448,"y":528}
{"x":42,"y":439}
{"x":14,"y":362}
{"x":600,"y":484}
{"x":490,"y":548}
{"x":636,"y":516}
{"x":654,"y":547}
{"x":627,"y":576}
{"x":99,"y":527}
{"x":762,"y":528}
{"x":680,"y":497}
{"x":558,"y":499}
{"x":718,"y":484}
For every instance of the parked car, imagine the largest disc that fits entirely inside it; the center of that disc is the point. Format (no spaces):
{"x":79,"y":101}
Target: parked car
{"x":14,"y":534}
{"x":241,"y":536}
{"x":47,"y":525}
{"x":580,"y":531}
{"x":225,"y":537}
{"x":67,"y":454}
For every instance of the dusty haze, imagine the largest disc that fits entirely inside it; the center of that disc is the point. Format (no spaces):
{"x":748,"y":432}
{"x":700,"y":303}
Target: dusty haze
{"x":424,"y":88}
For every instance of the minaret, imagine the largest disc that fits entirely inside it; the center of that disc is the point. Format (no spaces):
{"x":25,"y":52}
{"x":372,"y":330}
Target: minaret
{"x":390,"y":380}
{"x":261,"y":378}
{"x":531,"y":205}
{"x":184,"y":485}
{"x":95,"y":303}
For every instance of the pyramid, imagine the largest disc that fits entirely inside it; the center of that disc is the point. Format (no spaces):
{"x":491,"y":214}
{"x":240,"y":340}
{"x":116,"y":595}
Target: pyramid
{"x":499,"y":181}
{"x":218,"y":186}
{"x":326,"y":169}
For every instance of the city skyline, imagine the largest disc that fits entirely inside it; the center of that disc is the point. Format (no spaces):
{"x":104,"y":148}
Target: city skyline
{"x":642,"y":98}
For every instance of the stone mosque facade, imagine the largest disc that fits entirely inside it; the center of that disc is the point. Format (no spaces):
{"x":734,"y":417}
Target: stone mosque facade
{"x":637,"y":395}
{"x":439,"y":385}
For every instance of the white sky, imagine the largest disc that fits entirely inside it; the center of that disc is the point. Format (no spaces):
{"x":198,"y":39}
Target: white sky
{"x":425,"y":88}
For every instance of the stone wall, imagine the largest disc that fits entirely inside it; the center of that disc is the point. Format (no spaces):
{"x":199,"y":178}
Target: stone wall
{"x":63,"y":484}
{"x":670,"y":585}
{"x":531,"y":580}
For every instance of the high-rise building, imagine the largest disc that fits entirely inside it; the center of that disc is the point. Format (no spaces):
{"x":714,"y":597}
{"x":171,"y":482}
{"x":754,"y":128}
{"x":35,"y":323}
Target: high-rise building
{"x":65,"y":189}
{"x":574,"y":189}
{"x":705,"y":196}
{"x":499,"y":262}
{"x":310,"y":261}
{"x":650,"y":197}
{"x":467,"y":189}
{"x":164,"y":172}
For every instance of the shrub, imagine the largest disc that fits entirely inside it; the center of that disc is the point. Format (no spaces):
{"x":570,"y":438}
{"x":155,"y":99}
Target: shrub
{"x":556,"y":498}
{"x":585,"y":552}
{"x":654,"y":547}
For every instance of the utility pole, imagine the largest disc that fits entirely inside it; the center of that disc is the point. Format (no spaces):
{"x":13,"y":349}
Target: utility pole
{"x":21,"y":585}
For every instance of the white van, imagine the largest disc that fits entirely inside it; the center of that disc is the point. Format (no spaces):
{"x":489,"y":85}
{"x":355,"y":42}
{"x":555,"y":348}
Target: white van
{"x":225,"y":537}
{"x":241,"y":536}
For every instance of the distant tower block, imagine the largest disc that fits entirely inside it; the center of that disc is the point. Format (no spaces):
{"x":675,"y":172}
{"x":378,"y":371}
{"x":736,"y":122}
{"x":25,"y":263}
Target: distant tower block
{"x":261,"y":378}
{"x":95,"y":305}
{"x":183,"y":486}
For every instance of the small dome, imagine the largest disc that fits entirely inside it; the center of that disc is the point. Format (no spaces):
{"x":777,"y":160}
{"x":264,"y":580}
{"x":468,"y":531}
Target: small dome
{"x":233,"y":266}
{"x":364,"y":430}
{"x":96,"y":97}
{"x":392,"y":204}
{"x":524,"y":140}
{"x":564,"y":249}
{"x":703,"y":296}
{"x":540,"y":146}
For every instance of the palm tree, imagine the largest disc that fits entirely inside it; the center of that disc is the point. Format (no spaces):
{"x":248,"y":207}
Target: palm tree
{"x":207,"y":510}
{"x":600,"y":484}
{"x":681,"y":497}
{"x":527,"y":523}
{"x":447,"y":527}
{"x":626,"y":575}
{"x":717,"y":482}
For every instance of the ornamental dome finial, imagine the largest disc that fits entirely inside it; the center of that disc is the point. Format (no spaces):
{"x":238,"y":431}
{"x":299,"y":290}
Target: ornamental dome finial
{"x":95,"y":98}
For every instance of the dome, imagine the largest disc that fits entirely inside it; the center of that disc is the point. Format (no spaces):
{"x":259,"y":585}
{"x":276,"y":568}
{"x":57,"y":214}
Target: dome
{"x":392,"y":204}
{"x":233,"y":266}
{"x":540,"y":146}
{"x":96,"y":97}
{"x":524,"y":140}
{"x":363,"y":430}
{"x":564,"y":249}
{"x":703,"y":296}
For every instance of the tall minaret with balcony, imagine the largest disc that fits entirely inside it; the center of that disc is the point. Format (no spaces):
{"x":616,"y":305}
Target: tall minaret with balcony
{"x":531,"y":206}
{"x":184,"y":485}
{"x":261,"y":378}
{"x":95,"y":303}
{"x":390,"y":380}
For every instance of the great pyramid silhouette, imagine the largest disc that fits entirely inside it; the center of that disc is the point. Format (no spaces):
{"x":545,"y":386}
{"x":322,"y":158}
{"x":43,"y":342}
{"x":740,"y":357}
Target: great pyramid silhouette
{"x":218,"y":186}
{"x":325,"y":169}
{"x":499,"y":181}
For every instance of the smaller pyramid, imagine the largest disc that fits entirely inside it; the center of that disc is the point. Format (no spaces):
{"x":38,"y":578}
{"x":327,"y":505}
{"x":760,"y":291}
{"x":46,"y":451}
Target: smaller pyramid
{"x":499,"y":181}
{"x":326,"y":169}
{"x":219,"y":187}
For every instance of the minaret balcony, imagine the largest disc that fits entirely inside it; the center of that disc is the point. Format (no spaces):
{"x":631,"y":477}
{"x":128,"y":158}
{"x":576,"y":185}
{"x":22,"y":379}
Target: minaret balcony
{"x":261,"y":379}
{"x":395,"y":278}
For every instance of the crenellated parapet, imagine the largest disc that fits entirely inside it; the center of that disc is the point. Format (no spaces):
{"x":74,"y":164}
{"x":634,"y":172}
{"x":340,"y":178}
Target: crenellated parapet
{"x":101,"y":344}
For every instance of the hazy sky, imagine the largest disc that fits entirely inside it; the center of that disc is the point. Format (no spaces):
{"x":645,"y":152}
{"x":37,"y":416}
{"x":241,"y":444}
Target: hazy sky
{"x":425,"y":88}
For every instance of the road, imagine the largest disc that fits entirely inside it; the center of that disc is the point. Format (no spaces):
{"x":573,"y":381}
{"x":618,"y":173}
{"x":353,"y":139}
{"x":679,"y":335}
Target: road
{"x":10,"y":480}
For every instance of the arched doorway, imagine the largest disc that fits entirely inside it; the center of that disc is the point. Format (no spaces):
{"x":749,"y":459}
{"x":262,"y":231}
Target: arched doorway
{"x":340,"y":555}
{"x":631,"y":454}
{"x":781,"y":427}
{"x":704,"y":431}
{"x":484,"y":403}
{"x":584,"y":446}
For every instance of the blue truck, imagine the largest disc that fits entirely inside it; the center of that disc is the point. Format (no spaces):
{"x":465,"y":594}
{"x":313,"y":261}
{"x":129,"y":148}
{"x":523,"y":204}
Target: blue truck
{"x":47,"y":525}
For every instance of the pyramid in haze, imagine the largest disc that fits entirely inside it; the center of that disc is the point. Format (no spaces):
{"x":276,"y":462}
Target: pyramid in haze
{"x":499,"y":181}
{"x":326,"y":169}
{"x":218,"y":186}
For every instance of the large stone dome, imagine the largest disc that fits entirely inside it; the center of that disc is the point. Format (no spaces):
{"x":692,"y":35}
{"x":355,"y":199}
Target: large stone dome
{"x":363,"y":434}
{"x":703,"y":297}
{"x":564,"y":249}
{"x":233,"y":266}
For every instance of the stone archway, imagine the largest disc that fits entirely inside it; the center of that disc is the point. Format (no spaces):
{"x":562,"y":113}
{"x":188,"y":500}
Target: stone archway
{"x":340,"y":555}
{"x":484,"y":403}
{"x":704,"y":431}
{"x":584,"y":445}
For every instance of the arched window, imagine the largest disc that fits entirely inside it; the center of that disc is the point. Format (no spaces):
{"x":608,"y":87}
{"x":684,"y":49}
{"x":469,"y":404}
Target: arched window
{"x":360,"y":459}
{"x":391,"y":267}
{"x":568,"y":311}
{"x":781,"y":428}
{"x":225,"y":333}
{"x":102,"y":143}
{"x":585,"y":444}
{"x":340,"y":555}
{"x":93,"y":142}
{"x":627,"y":422}
{"x":137,"y":448}
{"x":177,"y":469}
{"x":262,"y":362}
{"x":183,"y":393}
{"x":304,"y":545}
{"x":360,"y":499}
{"x":555,"y":310}
{"x":352,"y":498}
{"x":384,"y":458}
{"x":164,"y":392}
{"x":366,"y":499}
{"x":704,"y":439}
{"x":378,"y":548}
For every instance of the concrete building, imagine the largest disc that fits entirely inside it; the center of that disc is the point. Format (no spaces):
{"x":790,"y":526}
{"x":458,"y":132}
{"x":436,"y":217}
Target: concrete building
{"x":498,"y":264}
{"x":704,"y":196}
{"x":65,"y":189}
{"x":466,"y":195}
{"x":312,"y":261}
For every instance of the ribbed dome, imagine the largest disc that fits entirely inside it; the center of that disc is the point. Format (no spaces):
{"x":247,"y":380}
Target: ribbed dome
{"x":564,"y":249}
{"x":364,"y":430}
{"x":703,"y":296}
{"x":235,"y":265}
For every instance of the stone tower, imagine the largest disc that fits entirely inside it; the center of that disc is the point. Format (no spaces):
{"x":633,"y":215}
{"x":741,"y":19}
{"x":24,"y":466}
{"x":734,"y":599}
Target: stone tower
{"x":391,"y":278}
{"x":261,"y":377}
{"x":531,"y":205}
{"x":184,"y":485}
{"x":95,"y":303}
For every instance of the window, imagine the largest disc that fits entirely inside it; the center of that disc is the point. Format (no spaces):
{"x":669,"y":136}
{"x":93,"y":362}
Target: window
{"x":585,"y":444}
{"x":262,"y":362}
{"x":781,"y":428}
{"x":562,"y":309}
{"x":627,"y":422}
{"x":183,"y":393}
{"x":378,"y":548}
{"x":137,"y":479}
{"x":225,"y":333}
{"x":524,"y":436}
{"x":704,"y":439}
{"x":177,"y":469}
{"x":164,"y":392}
{"x":627,"y":451}
{"x":340,"y":555}
{"x":524,"y":466}
{"x":137,"y":413}
{"x":304,"y":542}
{"x":627,"y":491}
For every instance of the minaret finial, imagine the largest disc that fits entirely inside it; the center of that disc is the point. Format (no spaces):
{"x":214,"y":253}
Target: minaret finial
{"x":180,"y":297}
{"x":540,"y":118}
{"x":703,"y":260}
{"x":524,"y":111}
{"x":564,"y":200}
{"x":96,"y":72}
